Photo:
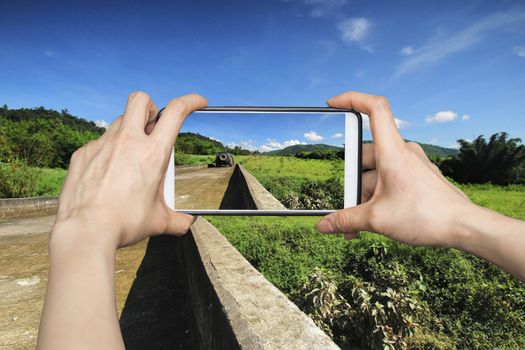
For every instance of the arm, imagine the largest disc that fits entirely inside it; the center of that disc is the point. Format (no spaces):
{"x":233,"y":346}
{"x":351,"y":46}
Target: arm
{"x":112,"y":197}
{"x":405,"y":197}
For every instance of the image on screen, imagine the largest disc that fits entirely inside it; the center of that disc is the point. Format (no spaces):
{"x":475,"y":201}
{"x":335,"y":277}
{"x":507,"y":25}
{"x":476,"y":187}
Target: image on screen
{"x":262,"y":161}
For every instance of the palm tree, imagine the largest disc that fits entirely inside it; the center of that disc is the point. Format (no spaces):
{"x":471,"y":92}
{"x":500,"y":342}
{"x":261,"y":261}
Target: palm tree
{"x":500,"y":161}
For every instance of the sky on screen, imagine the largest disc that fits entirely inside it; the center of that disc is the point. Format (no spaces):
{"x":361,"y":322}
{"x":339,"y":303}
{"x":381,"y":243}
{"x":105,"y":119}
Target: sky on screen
{"x":268,"y":132}
{"x":450,"y":69}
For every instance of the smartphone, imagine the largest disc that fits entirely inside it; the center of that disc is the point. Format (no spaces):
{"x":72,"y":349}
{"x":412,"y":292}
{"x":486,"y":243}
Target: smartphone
{"x":278,"y":161}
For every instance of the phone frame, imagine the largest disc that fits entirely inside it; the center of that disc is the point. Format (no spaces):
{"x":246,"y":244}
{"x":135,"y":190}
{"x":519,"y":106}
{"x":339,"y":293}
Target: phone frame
{"x":169,"y":183}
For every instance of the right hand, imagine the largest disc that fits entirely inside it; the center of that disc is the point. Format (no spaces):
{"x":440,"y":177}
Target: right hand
{"x":404,"y":195}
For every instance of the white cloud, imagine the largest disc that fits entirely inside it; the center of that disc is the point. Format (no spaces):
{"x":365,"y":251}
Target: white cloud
{"x":272,"y":145}
{"x":102,"y":124}
{"x":407,"y":50}
{"x":520,"y":51}
{"x":400,"y":123}
{"x":466,"y":117}
{"x":434,"y":141}
{"x":49,"y":53}
{"x":324,"y":8}
{"x":215,"y":139}
{"x":312,"y":136}
{"x":321,"y":8}
{"x":444,"y":45}
{"x":442,"y":117}
{"x":354,"y":29}
{"x":337,"y":135}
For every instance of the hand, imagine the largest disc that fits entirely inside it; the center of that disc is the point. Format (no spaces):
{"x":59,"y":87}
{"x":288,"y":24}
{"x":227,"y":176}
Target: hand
{"x":115,"y":184}
{"x":404,"y":196}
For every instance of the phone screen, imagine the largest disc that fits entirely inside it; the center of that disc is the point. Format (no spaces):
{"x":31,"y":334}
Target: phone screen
{"x":231,"y":161}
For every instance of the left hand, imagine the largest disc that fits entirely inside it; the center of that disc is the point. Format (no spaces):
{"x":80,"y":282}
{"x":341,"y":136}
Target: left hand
{"x":115,"y":184}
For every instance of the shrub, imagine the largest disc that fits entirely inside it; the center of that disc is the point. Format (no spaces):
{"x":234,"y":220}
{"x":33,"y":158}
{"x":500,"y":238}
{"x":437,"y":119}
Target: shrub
{"x":17,"y":179}
{"x":182,"y":158}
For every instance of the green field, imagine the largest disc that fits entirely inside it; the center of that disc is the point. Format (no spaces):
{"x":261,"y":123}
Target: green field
{"x":459,"y":301}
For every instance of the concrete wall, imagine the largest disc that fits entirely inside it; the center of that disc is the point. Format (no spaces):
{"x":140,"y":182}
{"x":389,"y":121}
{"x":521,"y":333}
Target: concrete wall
{"x":257,"y":194}
{"x":11,"y":208}
{"x":235,"y":306}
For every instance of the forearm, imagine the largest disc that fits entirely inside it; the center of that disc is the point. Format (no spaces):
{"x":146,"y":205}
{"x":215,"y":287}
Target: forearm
{"x":79,"y":309}
{"x":493,"y":237}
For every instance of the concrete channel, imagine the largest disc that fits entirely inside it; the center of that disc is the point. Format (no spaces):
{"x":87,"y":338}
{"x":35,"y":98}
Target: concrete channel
{"x":191,"y":292}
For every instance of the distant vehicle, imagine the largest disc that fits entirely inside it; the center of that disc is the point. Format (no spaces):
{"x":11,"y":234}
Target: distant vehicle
{"x":224,"y":159}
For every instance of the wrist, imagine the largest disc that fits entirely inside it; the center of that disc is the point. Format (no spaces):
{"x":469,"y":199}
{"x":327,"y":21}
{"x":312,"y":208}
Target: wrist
{"x":78,"y":234}
{"x":472,"y":228}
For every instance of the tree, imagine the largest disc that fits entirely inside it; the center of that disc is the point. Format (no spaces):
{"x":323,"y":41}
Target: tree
{"x":500,"y":161}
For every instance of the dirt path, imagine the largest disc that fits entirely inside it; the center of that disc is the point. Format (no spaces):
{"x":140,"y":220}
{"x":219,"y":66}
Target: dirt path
{"x":23,"y":278}
{"x":202,"y":188}
{"x":24,"y":259}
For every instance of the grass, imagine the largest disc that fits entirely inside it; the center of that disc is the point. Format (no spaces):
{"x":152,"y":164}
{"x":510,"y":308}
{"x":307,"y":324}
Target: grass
{"x":49,"y":182}
{"x":199,"y":159}
{"x":19,"y":180}
{"x":472,"y":304}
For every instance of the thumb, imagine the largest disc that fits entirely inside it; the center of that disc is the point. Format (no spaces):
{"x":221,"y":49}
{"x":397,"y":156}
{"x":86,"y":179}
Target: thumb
{"x":179,"y":223}
{"x":349,"y":220}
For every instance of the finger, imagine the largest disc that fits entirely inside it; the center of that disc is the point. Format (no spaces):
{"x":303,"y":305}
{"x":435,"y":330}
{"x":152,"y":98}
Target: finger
{"x":346,"y":220}
{"x":368,"y":185}
{"x":152,"y":119}
{"x":350,"y":236}
{"x":418,"y":151}
{"x":382,"y":123}
{"x":138,"y":111}
{"x":113,"y":127}
{"x":169,"y":124}
{"x":179,"y":223}
{"x":369,"y":158}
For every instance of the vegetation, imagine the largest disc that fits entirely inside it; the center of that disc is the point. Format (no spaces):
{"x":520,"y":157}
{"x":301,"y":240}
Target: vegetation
{"x":17,"y":179}
{"x":192,"y":143}
{"x":323,"y":154}
{"x":416,"y":298}
{"x":42,"y":137}
{"x":500,"y":161}
{"x":293,"y":150}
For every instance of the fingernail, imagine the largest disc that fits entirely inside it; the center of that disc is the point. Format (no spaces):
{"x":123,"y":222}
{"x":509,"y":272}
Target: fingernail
{"x":325,"y":226}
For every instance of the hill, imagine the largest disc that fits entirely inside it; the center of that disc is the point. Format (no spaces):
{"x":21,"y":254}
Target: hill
{"x":438,"y":151}
{"x":31,"y":114}
{"x":430,"y":150}
{"x":193,"y":143}
{"x":293,"y":150}
{"x":43,"y":137}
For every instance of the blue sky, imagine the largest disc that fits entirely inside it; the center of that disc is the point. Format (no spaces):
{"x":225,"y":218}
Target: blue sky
{"x":268,"y":132}
{"x":450,"y":69}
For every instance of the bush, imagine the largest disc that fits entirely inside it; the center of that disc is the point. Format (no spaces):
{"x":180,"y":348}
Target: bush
{"x":182,"y":158}
{"x":17,"y":179}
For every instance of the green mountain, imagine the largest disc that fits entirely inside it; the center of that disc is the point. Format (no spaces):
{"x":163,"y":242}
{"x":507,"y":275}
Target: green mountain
{"x":430,"y":150}
{"x":293,"y":150}
{"x":75,"y":123}
{"x":192,"y":143}
{"x":43,"y":137}
{"x":438,"y":151}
